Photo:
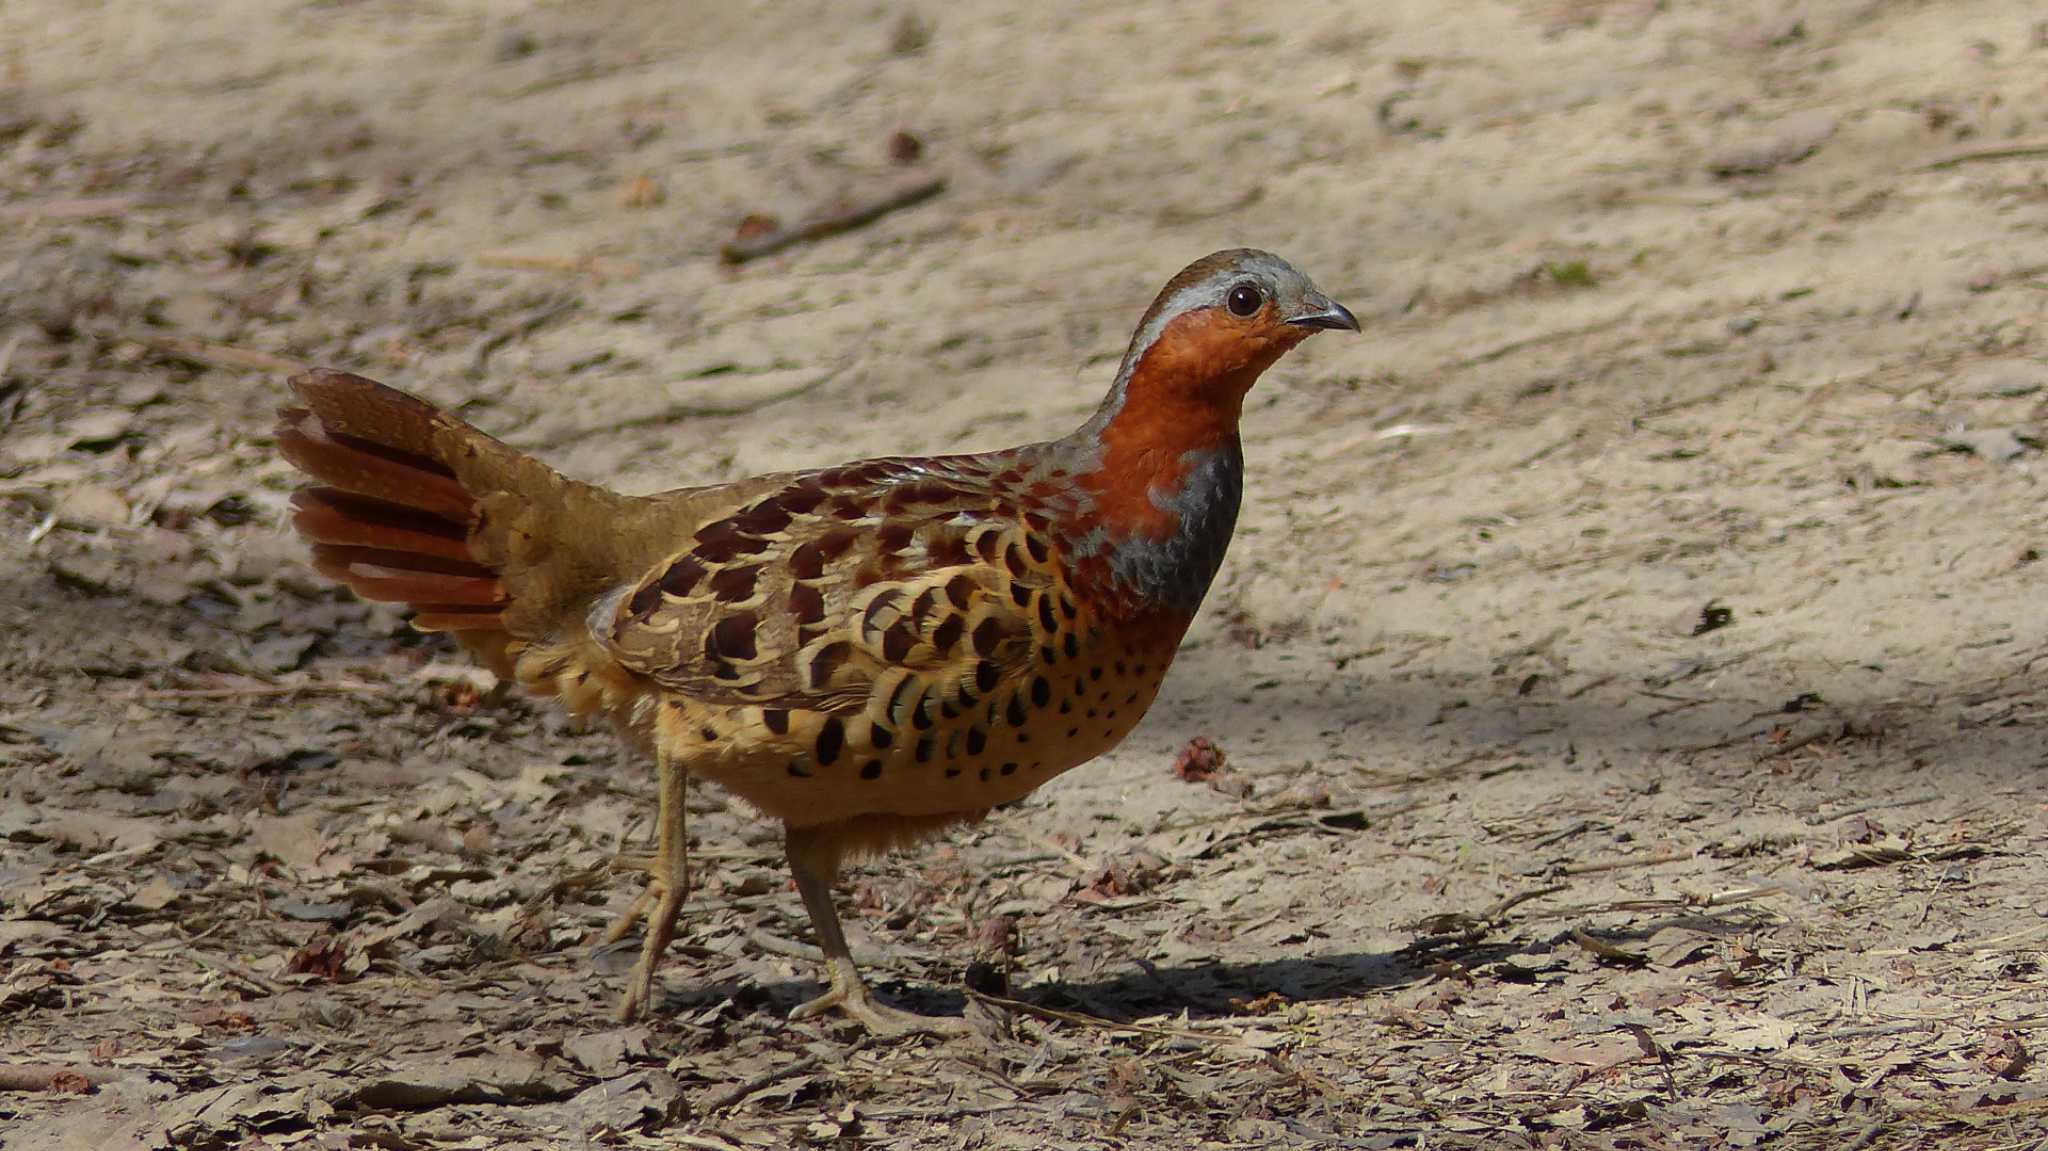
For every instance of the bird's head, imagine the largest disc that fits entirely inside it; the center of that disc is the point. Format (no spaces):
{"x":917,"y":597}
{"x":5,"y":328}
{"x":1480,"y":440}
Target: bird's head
{"x":1208,"y":335}
{"x":1160,"y":459}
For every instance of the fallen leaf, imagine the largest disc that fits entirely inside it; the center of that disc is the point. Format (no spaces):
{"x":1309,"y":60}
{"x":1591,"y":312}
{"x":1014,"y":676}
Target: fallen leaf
{"x":97,"y":831}
{"x":231,"y":1110}
{"x":1597,"y":1052}
{"x":1756,"y":1033}
{"x":293,"y":840}
{"x":1677,"y":946}
{"x":1198,"y":760}
{"x":308,"y":911}
{"x":326,"y":957}
{"x":645,"y":1101}
{"x":1855,"y":855}
{"x":608,"y":1054}
{"x":15,"y":932}
{"x":497,"y":1077}
{"x":93,"y":506}
{"x":1793,"y":139}
{"x":155,"y":894}
{"x":99,"y":430}
{"x":1995,"y":444}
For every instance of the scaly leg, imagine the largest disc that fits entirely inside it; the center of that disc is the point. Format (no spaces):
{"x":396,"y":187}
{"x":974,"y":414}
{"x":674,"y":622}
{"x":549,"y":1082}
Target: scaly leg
{"x":814,"y":859}
{"x":636,"y":910}
{"x":668,"y":883}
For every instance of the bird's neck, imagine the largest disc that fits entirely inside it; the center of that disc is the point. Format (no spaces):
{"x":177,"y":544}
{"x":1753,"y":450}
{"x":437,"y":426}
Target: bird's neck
{"x":1164,"y":468}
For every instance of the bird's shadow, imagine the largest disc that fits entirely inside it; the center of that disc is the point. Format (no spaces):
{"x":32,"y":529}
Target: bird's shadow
{"x":1204,"y":990}
{"x":1225,"y":989}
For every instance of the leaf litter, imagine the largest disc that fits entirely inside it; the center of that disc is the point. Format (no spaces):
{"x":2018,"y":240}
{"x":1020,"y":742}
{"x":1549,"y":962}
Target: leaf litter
{"x":275,"y":872}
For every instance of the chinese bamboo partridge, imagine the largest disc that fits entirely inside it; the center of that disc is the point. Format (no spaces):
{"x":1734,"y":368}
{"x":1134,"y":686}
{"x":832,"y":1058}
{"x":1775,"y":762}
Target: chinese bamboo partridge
{"x":868,"y":653}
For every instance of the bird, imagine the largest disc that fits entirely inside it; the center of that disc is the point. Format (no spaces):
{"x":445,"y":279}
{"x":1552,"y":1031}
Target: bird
{"x":871,"y":652}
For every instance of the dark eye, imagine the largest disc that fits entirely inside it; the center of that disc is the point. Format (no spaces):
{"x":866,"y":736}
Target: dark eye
{"x":1245,"y":300}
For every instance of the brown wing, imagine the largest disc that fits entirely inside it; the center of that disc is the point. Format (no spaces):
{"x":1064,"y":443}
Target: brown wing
{"x":905,"y":588}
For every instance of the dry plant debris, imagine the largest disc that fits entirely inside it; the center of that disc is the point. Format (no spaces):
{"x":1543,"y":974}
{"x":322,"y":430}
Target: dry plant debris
{"x":1519,"y":861}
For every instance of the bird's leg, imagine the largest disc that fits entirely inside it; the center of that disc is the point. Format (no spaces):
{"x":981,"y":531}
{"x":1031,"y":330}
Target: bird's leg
{"x":668,"y":882}
{"x":814,"y":860}
{"x":636,"y":910}
{"x":647,"y":863}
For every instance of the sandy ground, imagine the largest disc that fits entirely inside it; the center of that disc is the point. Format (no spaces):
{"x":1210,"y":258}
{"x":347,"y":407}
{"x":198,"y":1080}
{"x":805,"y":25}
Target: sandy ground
{"x":1627,"y":664}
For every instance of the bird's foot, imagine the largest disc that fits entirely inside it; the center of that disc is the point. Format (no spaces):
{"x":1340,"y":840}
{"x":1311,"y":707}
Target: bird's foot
{"x":635,"y":911}
{"x":855,"y":1002}
{"x":659,"y":881}
{"x":638,"y":994}
{"x":640,"y":861}
{"x":657,"y":903}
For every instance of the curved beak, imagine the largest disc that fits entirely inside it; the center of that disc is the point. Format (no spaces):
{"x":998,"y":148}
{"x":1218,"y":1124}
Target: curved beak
{"x":1320,"y":311}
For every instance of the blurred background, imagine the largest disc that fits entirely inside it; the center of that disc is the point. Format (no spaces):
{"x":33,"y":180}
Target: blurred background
{"x":1678,"y":505}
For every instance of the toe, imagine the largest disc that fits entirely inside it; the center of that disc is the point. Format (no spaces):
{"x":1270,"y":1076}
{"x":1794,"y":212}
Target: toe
{"x":811,"y":1009}
{"x":887,"y":1024}
{"x":634,"y":913}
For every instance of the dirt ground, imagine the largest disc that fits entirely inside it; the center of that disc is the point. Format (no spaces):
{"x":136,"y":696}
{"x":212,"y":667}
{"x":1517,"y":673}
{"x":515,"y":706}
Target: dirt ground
{"x":1629,"y":664}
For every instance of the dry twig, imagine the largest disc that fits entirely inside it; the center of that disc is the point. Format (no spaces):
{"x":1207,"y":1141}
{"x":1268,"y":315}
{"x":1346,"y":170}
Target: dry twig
{"x":212,"y":355}
{"x":2017,"y":150}
{"x":68,"y":1077}
{"x":739,"y":1091}
{"x":832,"y":223}
{"x":1094,"y":1022}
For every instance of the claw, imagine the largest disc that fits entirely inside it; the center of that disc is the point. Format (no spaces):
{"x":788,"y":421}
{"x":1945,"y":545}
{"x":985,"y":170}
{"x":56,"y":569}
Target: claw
{"x":850,"y":996}
{"x":661,"y":928}
{"x":634,"y":913}
{"x":668,"y":882}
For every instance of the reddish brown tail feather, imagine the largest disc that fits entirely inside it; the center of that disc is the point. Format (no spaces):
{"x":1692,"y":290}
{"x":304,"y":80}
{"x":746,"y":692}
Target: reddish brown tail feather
{"x":392,"y":522}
